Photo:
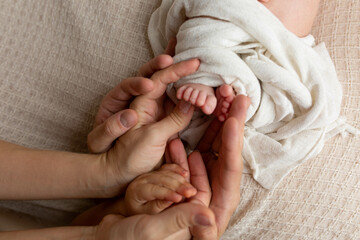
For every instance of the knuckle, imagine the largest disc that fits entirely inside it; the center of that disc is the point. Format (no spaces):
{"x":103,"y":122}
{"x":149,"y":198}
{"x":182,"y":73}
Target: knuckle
{"x":175,"y":74}
{"x":109,"y":219}
{"x":108,"y":129}
{"x":132,"y":187}
{"x":156,"y":75}
{"x":113,"y":128}
{"x":178,"y":179}
{"x":176,"y":119}
{"x":159,"y":206}
{"x":139,"y":181}
{"x":180,"y":220}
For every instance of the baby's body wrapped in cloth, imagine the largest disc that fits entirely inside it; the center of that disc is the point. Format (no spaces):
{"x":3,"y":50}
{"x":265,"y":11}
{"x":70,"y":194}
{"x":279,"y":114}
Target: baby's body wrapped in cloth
{"x":294,"y":91}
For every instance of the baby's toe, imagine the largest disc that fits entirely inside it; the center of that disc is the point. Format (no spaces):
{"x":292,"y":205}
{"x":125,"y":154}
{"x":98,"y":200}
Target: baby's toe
{"x":225,"y":91}
{"x":194,"y":96}
{"x":209,"y":105}
{"x":221,"y":118}
{"x":230,"y":98}
{"x":180,"y":92}
{"x":225,"y":104}
{"x":200,"y":101}
{"x":225,"y":110}
{"x":187,"y":93}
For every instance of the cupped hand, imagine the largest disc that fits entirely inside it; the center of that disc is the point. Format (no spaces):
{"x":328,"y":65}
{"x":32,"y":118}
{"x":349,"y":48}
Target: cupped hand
{"x":221,"y":148}
{"x":218,"y":185}
{"x":159,"y":226}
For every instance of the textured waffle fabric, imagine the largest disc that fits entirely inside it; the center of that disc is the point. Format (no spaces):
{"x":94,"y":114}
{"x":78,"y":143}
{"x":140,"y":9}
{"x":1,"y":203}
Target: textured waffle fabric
{"x":59,"y":58}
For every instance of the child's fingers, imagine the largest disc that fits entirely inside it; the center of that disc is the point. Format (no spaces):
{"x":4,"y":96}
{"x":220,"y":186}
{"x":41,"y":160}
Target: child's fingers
{"x":149,"y":198}
{"x":173,"y":181}
{"x":162,"y":178}
{"x":199,"y":178}
{"x":152,"y":192}
{"x":176,"y":169}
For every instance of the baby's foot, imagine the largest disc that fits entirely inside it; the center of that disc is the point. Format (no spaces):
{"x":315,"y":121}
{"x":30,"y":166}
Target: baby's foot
{"x":198,"y":95}
{"x":225,"y":95}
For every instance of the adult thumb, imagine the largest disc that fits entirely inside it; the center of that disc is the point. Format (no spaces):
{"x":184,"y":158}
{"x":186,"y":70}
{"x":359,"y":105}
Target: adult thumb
{"x":183,"y":216}
{"x":175,"y":121}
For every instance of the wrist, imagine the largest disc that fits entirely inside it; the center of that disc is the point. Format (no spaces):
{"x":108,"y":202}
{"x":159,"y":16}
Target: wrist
{"x":42,"y":174}
{"x":112,"y":180}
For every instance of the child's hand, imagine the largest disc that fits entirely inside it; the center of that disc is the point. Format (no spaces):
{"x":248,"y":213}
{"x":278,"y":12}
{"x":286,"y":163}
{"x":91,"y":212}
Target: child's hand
{"x":153,"y":192}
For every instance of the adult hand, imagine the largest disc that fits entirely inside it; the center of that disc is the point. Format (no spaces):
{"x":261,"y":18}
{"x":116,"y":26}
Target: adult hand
{"x":224,"y":170}
{"x":140,"y":150}
{"x":220,"y":149}
{"x":159,"y":226}
{"x":113,"y":118}
{"x":147,"y":227}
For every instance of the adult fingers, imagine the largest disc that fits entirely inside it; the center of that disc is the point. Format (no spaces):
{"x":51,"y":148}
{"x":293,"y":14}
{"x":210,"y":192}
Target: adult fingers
{"x":177,"y":155}
{"x":160,"y":226}
{"x":199,"y":178}
{"x":174,"y":122}
{"x":119,"y":97}
{"x":101,"y":137}
{"x":171,"y":74}
{"x":181,"y":217}
{"x":158,"y":63}
{"x":227,"y":187}
{"x":209,"y":136}
{"x":230,"y":155}
{"x":233,"y":134}
{"x":239,"y":109}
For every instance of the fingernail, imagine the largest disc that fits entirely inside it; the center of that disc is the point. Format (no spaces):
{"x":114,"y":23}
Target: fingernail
{"x":128,"y":119}
{"x":202,"y":220}
{"x":184,"y":106}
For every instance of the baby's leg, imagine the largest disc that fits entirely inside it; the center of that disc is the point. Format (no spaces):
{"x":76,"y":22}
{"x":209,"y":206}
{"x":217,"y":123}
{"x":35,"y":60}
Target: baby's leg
{"x":225,"y":95}
{"x":199,"y":95}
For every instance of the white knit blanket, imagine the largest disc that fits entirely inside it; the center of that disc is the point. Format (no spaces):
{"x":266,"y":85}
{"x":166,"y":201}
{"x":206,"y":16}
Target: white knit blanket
{"x":295,"y":94}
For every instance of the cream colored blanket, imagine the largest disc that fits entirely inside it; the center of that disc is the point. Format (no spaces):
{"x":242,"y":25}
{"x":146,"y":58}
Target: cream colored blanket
{"x":295,"y":94}
{"x":59,"y":58}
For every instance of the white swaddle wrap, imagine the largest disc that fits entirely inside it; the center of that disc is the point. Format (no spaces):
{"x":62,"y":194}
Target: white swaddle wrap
{"x":295,"y":94}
